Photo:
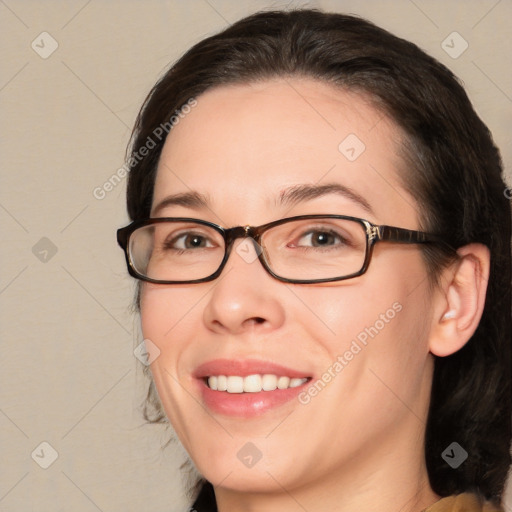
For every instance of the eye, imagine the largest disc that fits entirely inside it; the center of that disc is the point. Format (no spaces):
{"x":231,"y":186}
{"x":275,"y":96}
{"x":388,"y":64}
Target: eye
{"x":320,"y":238}
{"x":188,"y":241}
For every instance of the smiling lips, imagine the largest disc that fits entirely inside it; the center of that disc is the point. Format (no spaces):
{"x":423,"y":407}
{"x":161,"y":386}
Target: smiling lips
{"x":247,"y":388}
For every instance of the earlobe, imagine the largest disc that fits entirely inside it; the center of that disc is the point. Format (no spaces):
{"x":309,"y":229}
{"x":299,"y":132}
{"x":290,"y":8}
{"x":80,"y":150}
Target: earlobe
{"x":460,"y":300}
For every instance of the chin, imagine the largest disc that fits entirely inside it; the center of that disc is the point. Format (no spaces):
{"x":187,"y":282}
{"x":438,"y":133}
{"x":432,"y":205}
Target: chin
{"x":244,"y":480}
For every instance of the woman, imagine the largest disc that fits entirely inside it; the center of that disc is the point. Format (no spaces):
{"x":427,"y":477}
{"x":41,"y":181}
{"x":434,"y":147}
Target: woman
{"x":322,"y":241}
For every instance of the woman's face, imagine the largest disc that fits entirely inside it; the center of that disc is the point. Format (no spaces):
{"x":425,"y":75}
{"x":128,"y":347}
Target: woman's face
{"x":239,"y":158}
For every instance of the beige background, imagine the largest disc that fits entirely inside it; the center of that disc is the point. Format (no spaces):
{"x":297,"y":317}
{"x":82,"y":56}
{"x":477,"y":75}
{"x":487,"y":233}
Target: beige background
{"x":68,"y":375}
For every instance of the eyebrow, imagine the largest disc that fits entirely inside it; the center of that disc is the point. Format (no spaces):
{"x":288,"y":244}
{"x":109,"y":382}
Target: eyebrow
{"x":288,"y":197}
{"x":293,"y":195}
{"x":193,"y":200}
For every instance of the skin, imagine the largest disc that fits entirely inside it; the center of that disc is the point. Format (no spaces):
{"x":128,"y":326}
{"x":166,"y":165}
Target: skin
{"x":359,"y":443}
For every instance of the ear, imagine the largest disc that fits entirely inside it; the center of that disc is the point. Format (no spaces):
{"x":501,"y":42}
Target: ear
{"x":459,"y":300}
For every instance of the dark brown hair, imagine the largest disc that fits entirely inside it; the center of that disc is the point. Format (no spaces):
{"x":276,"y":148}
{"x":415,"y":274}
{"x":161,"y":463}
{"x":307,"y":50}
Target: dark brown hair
{"x":453,"y":169}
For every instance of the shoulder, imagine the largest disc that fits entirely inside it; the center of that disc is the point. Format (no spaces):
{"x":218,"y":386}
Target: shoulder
{"x":466,"y":502}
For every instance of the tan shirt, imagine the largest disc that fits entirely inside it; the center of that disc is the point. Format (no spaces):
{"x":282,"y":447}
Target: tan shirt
{"x":465,"y":502}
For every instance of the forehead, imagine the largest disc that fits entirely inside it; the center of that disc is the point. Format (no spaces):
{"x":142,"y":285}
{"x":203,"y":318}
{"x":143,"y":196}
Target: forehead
{"x":242,"y":145}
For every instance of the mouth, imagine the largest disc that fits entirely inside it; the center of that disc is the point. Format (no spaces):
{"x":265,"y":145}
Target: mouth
{"x":248,"y":388}
{"x":253,"y":383}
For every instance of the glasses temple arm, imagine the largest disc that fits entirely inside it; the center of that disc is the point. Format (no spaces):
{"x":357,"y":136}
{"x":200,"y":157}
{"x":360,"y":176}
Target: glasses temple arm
{"x":406,"y":236}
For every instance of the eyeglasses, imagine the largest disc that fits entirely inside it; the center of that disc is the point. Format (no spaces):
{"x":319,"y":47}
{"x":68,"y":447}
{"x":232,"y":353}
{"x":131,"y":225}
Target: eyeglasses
{"x":306,"y":249}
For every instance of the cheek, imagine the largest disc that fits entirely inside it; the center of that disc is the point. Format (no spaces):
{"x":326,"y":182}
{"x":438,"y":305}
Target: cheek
{"x":165,"y":311}
{"x":376,"y":356}
{"x":156,"y":320}
{"x":379,"y":323}
{"x":335,"y":316}
{"x":168,"y":320}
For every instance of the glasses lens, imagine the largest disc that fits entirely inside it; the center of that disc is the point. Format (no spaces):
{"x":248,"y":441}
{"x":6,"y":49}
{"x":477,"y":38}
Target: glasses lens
{"x":176,"y":251}
{"x":323,"y":248}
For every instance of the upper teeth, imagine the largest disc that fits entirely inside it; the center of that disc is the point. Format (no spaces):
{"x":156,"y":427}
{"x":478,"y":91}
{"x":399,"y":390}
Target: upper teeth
{"x":252,"y":383}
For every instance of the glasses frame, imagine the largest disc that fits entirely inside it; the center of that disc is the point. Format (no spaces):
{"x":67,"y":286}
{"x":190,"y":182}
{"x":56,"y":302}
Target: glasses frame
{"x":374,"y":233}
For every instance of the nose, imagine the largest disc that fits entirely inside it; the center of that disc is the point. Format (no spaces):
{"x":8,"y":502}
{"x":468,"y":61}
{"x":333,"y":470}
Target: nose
{"x":244,"y":297}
